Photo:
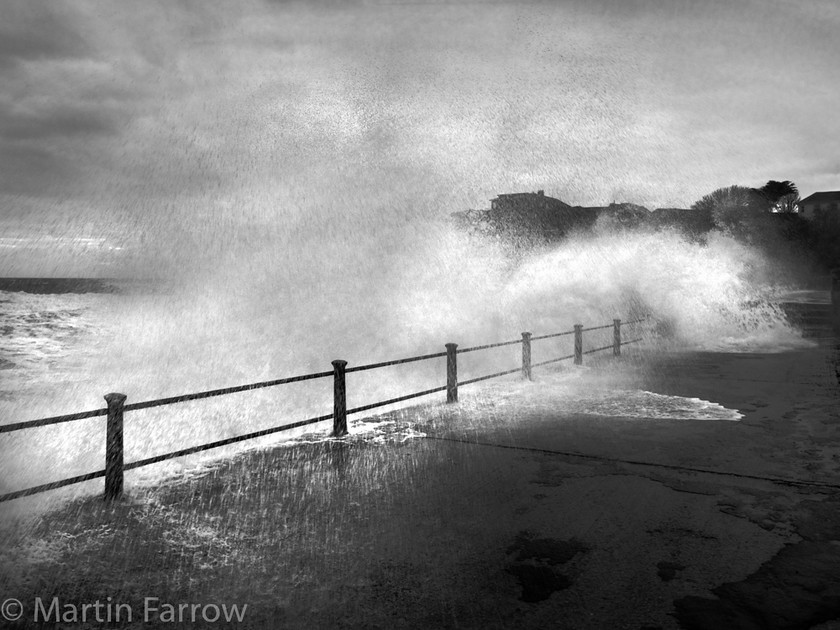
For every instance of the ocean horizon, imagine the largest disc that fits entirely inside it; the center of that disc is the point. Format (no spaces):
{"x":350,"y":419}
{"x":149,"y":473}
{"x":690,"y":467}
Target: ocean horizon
{"x":59,"y":285}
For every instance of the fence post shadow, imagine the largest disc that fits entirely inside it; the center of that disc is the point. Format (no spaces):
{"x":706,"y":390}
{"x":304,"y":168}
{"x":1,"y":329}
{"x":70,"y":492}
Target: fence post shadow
{"x":338,"y":457}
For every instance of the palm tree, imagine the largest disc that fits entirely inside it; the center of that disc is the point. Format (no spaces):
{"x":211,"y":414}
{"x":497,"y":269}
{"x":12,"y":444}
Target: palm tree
{"x":781,"y":196}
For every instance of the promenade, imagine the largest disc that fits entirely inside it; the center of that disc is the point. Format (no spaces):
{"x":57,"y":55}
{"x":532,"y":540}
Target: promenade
{"x":519,"y":507}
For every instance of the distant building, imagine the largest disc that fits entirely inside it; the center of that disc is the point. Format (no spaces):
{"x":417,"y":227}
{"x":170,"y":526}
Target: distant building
{"x":819,"y":203}
{"x":528,"y":200}
{"x":536,"y":216}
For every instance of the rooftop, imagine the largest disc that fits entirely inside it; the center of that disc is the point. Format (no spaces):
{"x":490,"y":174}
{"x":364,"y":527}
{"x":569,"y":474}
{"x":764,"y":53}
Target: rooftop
{"x":539,"y":193}
{"x":822,"y":197}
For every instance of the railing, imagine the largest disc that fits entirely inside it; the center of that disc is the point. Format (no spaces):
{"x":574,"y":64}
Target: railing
{"x":116,"y":407}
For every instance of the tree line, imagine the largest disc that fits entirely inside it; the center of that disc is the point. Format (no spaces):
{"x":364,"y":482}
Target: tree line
{"x":768,"y":217}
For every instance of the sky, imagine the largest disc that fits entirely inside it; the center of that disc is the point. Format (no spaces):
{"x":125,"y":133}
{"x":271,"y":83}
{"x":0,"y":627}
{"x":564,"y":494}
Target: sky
{"x":185,"y":125}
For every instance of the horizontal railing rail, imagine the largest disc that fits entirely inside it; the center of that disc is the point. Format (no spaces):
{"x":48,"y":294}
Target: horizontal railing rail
{"x":398,"y":399}
{"x":549,"y":336}
{"x":489,"y":376}
{"x":373,"y":366}
{"x":489,"y":345}
{"x":597,"y":328}
{"x":53,"y":485}
{"x":160,"y":458}
{"x":219,"y":443}
{"x":594,"y":350}
{"x":42,"y":422}
{"x":159,"y":402}
{"x":557,"y":360}
{"x":115,"y":466}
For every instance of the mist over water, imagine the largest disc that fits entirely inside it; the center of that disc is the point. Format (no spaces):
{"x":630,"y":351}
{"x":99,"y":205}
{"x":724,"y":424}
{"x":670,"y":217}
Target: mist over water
{"x":270,"y":308}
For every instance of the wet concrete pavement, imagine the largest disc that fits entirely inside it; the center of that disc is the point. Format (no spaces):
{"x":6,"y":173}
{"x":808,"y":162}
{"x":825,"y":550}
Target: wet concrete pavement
{"x":527,"y":516}
{"x":754,"y":542}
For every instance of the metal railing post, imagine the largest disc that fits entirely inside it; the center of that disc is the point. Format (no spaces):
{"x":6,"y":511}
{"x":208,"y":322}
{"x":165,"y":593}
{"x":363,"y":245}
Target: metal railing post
{"x":339,"y":398}
{"x":114,"y":447}
{"x":526,"y":355}
{"x":617,"y":337}
{"x":451,"y":373}
{"x":578,"y":344}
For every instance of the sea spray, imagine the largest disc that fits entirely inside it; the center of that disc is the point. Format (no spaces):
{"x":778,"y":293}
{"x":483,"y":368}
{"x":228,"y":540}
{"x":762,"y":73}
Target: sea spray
{"x":271,"y":310}
{"x":706,"y":296}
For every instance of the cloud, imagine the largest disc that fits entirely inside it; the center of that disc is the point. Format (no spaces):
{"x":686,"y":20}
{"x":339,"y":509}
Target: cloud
{"x":35,"y":30}
{"x":78,"y":73}
{"x":60,"y":121}
{"x":258,"y":113}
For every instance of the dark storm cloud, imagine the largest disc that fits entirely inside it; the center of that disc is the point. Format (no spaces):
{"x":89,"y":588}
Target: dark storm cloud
{"x":76,"y":73}
{"x":46,"y":140}
{"x":32,"y":30}
{"x":63,"y":121}
{"x":34,"y":156}
{"x":62,"y":85}
{"x":42,"y":99}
